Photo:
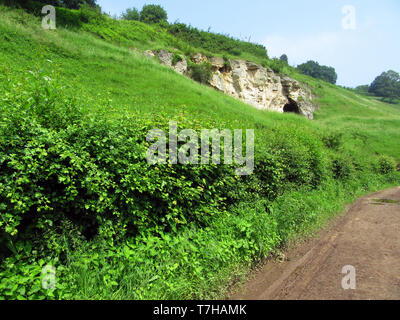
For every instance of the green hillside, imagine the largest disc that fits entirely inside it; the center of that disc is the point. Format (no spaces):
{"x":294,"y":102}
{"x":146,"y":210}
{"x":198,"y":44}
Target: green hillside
{"x":77,"y":193}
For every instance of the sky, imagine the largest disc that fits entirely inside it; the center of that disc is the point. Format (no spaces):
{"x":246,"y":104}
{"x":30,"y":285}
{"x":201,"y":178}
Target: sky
{"x":359,"y":38}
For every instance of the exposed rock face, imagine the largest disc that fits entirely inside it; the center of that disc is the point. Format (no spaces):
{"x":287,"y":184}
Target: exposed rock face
{"x":149,"y":54}
{"x":199,"y":58}
{"x":300,"y":94}
{"x":166,"y":58}
{"x":181,"y":66}
{"x":217,"y":62}
{"x":251,"y":83}
{"x":261,"y":88}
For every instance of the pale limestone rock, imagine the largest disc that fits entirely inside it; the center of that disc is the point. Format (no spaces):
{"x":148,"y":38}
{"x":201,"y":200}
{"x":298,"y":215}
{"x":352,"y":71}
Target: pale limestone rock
{"x":300,"y":94}
{"x":262,"y":88}
{"x":165,"y":57}
{"x":217,"y":63}
{"x":252,"y":84}
{"x":181,"y":66}
{"x":199,"y":58}
{"x":149,"y":54}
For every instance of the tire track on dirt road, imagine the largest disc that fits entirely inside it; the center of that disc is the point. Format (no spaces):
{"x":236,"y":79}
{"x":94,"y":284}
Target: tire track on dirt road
{"x":367,"y":237}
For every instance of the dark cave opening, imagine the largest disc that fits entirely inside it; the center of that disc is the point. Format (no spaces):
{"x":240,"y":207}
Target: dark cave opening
{"x":291,"y":107}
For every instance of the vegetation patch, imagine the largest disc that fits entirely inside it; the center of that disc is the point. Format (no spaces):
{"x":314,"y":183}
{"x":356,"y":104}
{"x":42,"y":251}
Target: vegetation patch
{"x":201,"y":72}
{"x":176,"y":59}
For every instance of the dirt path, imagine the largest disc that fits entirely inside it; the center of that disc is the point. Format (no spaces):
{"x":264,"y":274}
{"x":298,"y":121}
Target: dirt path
{"x":366,"y":237}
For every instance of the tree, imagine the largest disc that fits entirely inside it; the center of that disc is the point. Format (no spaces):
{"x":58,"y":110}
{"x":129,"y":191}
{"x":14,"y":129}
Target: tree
{"x":284,"y":58}
{"x":387,"y":85}
{"x":315,"y":70}
{"x":152,"y":13}
{"x":131,"y":14}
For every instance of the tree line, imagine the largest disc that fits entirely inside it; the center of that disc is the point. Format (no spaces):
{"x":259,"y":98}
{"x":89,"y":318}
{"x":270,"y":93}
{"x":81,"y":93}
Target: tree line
{"x":386,"y":86}
{"x":315,"y":70}
{"x":70,"y":4}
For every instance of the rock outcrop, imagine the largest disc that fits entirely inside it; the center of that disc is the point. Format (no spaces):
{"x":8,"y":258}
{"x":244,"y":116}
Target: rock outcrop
{"x":167,"y":59}
{"x":261,"y":87}
{"x":249,"y":82}
{"x":199,"y":58}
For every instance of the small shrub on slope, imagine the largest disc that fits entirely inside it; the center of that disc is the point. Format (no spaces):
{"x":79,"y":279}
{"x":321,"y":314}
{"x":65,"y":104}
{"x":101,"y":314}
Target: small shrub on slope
{"x":386,"y":165}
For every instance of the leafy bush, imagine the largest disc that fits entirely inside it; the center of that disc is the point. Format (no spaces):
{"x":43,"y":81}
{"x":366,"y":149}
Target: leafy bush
{"x":176,"y":58}
{"x":386,"y":165}
{"x":201,"y":72}
{"x":277,"y":65}
{"x":363,"y":89}
{"x":22,"y":278}
{"x":333,"y":140}
{"x":60,"y":164}
{"x":68,"y":18}
{"x":227,"y":63}
{"x":342,"y":167}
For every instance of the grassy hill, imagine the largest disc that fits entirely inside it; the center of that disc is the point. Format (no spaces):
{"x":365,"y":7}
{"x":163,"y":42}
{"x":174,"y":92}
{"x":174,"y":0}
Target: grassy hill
{"x":76,"y":192}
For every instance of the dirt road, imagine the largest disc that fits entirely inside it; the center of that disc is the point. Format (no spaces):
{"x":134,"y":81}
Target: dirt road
{"x":366,"y":237}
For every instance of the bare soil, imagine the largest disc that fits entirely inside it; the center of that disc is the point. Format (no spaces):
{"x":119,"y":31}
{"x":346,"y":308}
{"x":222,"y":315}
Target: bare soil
{"x":366,"y":236}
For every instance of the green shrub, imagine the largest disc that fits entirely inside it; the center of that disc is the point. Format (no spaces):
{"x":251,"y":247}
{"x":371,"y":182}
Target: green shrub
{"x":91,"y":14}
{"x":276,"y":65}
{"x":386,"y":165}
{"x":22,"y":278}
{"x":201,"y":72}
{"x":69,"y":18}
{"x":60,"y":164}
{"x":267,"y":180}
{"x":227,"y":63}
{"x":342,"y":167}
{"x":176,"y":58}
{"x":333,"y":140}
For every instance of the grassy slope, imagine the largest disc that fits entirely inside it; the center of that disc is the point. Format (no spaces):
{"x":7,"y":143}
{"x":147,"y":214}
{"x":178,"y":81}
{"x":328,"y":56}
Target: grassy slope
{"x":365,"y":118}
{"x":133,"y":80}
{"x":98,"y":71}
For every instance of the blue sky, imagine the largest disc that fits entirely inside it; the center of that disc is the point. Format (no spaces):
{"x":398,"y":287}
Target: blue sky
{"x":304,"y":30}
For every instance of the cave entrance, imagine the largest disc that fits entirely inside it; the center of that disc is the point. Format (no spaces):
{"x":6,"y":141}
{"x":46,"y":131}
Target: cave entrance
{"x":291,"y":107}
